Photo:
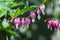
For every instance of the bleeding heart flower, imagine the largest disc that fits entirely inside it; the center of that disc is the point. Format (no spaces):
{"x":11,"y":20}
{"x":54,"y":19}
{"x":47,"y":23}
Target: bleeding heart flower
{"x":17,"y":21}
{"x":55,"y":23}
{"x":33,"y":16}
{"x":42,"y":8}
{"x":59,"y":26}
{"x":50,"y":22}
{"x":39,"y":12}
{"x":27,"y":21}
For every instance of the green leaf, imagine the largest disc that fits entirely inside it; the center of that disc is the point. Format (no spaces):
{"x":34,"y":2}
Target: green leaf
{"x":17,"y":12}
{"x":5,"y":24}
{"x":24,"y":10}
{"x":27,"y":3}
{"x":2,"y":13}
{"x":10,"y":31}
{"x":11,"y":15}
{"x":17,"y":4}
{"x":0,"y":27}
{"x":33,"y":7}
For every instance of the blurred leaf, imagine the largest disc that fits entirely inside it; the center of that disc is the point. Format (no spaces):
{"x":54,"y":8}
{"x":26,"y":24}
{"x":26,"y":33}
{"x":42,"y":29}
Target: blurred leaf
{"x":17,"y":4}
{"x":6,"y":0}
{"x":12,"y":37}
{"x":24,"y":10}
{"x":10,"y":31}
{"x":0,"y":27}
{"x":5,"y":24}
{"x":58,"y":16}
{"x":33,"y":7}
{"x":11,"y":15}
{"x":27,"y":3}
{"x":2,"y":13}
{"x":17,"y":13}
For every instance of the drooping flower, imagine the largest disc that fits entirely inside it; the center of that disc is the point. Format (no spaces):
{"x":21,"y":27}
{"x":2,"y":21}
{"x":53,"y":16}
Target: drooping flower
{"x":55,"y":23}
{"x":27,"y":21}
{"x":42,"y":8}
{"x":50,"y":23}
{"x":17,"y":22}
{"x":38,"y":13}
{"x":58,"y":28}
{"x":33,"y":16}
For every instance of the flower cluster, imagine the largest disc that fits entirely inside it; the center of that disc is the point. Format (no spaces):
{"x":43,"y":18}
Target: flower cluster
{"x":33,"y":15}
{"x":25,"y":22}
{"x":54,"y":23}
{"x":22,"y":22}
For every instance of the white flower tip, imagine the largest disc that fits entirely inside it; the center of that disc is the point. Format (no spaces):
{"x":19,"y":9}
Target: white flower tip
{"x":16,"y":26}
{"x":43,"y":12}
{"x":33,"y":20}
{"x":39,"y":17}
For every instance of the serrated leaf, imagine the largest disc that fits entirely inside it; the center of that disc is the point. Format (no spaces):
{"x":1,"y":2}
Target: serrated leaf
{"x":5,"y":24}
